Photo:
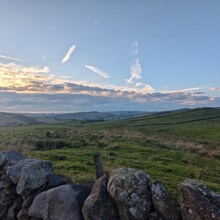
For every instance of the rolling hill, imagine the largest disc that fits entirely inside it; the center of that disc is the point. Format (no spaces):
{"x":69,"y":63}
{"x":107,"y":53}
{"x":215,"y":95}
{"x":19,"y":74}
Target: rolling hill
{"x":96,"y":116}
{"x":9,"y":119}
{"x":171,"y":145}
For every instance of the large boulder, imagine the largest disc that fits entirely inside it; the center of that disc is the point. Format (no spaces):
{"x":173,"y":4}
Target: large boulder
{"x":29,"y":175}
{"x":10,"y":157}
{"x":128,"y":188}
{"x":63,"y":202}
{"x":164,"y":203}
{"x":198,"y":202}
{"x":99,"y":205}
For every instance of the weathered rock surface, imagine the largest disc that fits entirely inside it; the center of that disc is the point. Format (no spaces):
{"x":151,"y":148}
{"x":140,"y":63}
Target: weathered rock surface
{"x":163,"y":202}
{"x":198,"y":202}
{"x":55,"y":180}
{"x":63,"y":202}
{"x":155,"y":216}
{"x":29,"y":174}
{"x":10,"y":157}
{"x":8,"y":195}
{"x":14,"y":209}
{"x":128,"y":188}
{"x":13,"y":171}
{"x":99,"y":205}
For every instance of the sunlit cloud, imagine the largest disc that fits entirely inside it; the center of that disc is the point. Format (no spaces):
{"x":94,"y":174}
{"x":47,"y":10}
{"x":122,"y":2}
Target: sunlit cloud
{"x":214,"y":89}
{"x":14,"y":76}
{"x":69,"y":53}
{"x":10,"y":58}
{"x":39,"y":83}
{"x":98,"y":71}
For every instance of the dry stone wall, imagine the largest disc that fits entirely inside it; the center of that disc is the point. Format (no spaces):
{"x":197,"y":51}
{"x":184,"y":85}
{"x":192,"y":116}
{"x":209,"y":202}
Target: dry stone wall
{"x":30,"y":190}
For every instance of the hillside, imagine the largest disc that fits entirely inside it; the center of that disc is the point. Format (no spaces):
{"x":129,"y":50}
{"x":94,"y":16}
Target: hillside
{"x":9,"y":119}
{"x":172,"y":146}
{"x":201,"y":123}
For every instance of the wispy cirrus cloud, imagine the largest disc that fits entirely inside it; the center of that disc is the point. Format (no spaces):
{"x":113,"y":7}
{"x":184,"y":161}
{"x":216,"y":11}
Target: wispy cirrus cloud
{"x":184,"y":90}
{"x":10,"y":58}
{"x":135,"y":71}
{"x":98,"y":71}
{"x":44,"y":58}
{"x":68,"y":54}
{"x":134,"y":47}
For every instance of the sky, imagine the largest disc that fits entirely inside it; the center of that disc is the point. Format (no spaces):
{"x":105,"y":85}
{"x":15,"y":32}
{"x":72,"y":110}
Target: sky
{"x":101,"y":55}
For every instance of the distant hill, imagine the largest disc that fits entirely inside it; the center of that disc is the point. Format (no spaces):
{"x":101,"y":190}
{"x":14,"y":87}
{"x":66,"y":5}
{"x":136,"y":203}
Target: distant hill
{"x":9,"y":119}
{"x":175,"y":117}
{"x":128,"y":117}
{"x":96,"y":116}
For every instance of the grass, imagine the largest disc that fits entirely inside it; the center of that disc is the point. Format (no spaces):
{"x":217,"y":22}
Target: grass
{"x":170,"y":146}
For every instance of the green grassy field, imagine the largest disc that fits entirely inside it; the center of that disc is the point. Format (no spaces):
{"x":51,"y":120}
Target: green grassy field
{"x":170,"y":146}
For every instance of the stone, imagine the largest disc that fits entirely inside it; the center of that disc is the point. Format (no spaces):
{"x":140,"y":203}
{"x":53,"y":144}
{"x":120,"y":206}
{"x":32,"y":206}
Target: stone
{"x":29,"y":174}
{"x":7,"y":195}
{"x":13,"y":210}
{"x":62,"y":202}
{"x":57,"y":180}
{"x":164,"y":203}
{"x":128,"y":189}
{"x":13,"y":171}
{"x":198,"y":202}
{"x":23,"y":214}
{"x":10,"y":157}
{"x":99,"y":205}
{"x":155,"y":216}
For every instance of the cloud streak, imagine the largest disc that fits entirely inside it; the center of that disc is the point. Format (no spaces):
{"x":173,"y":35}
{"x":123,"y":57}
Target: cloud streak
{"x":10,"y":58}
{"x":214,"y":89}
{"x":135,"y":71}
{"x":98,"y":71}
{"x":68,"y":54}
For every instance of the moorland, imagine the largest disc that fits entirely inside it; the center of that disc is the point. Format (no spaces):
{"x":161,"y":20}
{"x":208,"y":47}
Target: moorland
{"x":171,"y":146}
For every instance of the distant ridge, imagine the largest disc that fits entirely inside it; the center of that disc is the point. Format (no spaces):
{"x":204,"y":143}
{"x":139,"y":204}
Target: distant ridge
{"x":96,"y":116}
{"x":10,"y":119}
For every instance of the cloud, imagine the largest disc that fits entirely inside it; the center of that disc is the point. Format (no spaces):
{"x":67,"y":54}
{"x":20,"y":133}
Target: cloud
{"x":68,"y":54}
{"x":14,"y":76}
{"x":60,"y":102}
{"x":134,"y":47}
{"x":10,"y":58}
{"x":27,"y":87}
{"x":214,"y":89}
{"x":44,"y":59}
{"x":135,"y":71}
{"x":184,"y":90}
{"x":98,"y":71}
